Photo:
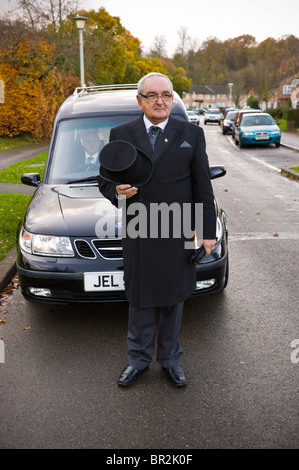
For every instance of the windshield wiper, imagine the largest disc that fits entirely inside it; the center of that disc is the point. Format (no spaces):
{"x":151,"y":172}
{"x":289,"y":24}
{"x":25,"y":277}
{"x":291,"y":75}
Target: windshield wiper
{"x":83,"y":180}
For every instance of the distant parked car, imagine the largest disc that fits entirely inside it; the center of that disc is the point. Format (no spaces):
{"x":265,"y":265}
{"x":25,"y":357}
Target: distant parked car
{"x":213,"y":115}
{"x":228,"y":121}
{"x":257,"y":128}
{"x":193,"y":117}
{"x":227,"y":110}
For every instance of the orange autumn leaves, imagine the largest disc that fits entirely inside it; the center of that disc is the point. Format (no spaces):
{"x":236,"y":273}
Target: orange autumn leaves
{"x":33,"y":91}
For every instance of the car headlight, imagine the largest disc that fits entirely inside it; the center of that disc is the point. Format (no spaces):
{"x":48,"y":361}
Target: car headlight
{"x":219,"y":229}
{"x":246,"y":133}
{"x":274,"y":132}
{"x":219,"y":233}
{"x":45,"y":245}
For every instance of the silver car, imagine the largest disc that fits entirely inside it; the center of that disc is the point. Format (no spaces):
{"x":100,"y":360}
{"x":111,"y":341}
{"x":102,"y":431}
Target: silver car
{"x":193,"y":117}
{"x":213,"y":115}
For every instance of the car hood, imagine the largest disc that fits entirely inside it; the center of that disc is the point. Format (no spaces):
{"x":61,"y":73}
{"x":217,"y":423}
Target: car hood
{"x":69,"y":210}
{"x":260,"y":128}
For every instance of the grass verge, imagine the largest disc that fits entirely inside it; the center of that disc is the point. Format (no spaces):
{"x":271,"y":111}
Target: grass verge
{"x":295,"y":168}
{"x":12,"y":209}
{"x":7,"y":143}
{"x":282,"y":124}
{"x":13,"y":173}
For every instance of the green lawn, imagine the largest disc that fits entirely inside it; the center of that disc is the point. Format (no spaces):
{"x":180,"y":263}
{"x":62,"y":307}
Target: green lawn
{"x":13,"y":173}
{"x":282,"y":124}
{"x":12,"y":209}
{"x":295,"y":168}
{"x":13,"y":206}
{"x":7,"y":143}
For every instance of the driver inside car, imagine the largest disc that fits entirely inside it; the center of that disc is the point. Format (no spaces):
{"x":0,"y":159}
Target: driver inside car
{"x":92,"y":143}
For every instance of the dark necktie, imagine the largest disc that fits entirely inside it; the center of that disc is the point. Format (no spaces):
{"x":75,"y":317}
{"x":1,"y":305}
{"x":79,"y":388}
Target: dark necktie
{"x":154,"y":134}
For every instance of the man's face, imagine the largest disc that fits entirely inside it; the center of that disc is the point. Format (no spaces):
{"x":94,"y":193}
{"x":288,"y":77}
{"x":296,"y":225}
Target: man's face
{"x":156,"y":111}
{"x":91,"y":142}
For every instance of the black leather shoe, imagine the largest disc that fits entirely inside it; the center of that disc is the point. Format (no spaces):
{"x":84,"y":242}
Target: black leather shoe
{"x":176,"y":375}
{"x":129,"y":375}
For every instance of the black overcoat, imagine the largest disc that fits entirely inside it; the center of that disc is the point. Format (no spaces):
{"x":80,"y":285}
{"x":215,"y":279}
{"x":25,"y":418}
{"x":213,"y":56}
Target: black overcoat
{"x":157,"y":270}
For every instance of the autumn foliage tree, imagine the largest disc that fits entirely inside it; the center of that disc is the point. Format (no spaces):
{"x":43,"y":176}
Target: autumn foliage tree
{"x":34,"y":88}
{"x":39,"y":63}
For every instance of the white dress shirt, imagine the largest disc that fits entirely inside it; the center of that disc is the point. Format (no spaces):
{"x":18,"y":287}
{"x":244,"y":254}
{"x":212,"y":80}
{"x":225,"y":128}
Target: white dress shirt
{"x":149,"y":124}
{"x":91,"y":159}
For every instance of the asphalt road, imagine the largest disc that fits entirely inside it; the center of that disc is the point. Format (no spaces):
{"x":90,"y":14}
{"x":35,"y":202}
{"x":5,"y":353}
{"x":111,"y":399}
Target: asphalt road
{"x":9,"y":157}
{"x":58,"y":382}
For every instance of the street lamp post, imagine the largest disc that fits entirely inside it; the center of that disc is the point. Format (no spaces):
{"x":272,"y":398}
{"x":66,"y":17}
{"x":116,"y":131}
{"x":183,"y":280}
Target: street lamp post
{"x":80,"y":22}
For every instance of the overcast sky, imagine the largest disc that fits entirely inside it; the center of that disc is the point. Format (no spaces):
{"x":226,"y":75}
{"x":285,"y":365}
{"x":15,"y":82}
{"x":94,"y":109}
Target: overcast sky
{"x":146,"y":19}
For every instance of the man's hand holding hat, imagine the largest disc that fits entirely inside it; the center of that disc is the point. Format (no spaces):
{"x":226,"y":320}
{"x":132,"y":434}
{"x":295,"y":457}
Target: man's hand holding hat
{"x":126,"y":190}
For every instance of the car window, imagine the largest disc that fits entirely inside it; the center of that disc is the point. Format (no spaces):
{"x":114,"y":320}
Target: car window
{"x":257,"y":121}
{"x":77,"y":146}
{"x":214,"y":111}
{"x":231,"y":115}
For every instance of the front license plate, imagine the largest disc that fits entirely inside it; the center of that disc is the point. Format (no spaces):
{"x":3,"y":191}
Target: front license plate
{"x":104,"y":281}
{"x":262,"y":137}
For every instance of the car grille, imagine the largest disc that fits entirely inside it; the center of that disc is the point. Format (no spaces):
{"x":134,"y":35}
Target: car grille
{"x":261,"y":135}
{"x":109,"y":248}
{"x":84,"y":249}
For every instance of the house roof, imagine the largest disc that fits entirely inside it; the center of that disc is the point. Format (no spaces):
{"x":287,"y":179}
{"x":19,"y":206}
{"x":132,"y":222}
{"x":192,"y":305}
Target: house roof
{"x":201,"y":89}
{"x":210,"y":90}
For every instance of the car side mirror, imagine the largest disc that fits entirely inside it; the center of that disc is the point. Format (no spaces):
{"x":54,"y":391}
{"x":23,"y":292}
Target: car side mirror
{"x":31,"y":179}
{"x":217,"y":172}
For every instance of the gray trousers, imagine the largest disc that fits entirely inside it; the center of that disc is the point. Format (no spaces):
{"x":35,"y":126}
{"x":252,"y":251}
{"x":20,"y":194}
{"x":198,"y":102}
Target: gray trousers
{"x":141,"y":336}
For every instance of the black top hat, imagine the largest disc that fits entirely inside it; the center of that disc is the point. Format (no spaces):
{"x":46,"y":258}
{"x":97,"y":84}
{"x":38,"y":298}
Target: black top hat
{"x":122,"y":163}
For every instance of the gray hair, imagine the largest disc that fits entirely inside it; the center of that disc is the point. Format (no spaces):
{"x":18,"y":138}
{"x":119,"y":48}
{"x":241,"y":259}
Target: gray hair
{"x":152,"y":74}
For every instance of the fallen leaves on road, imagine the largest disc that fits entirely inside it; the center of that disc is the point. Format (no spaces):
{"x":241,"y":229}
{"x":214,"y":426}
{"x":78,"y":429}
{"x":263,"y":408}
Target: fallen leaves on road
{"x":4,"y":296}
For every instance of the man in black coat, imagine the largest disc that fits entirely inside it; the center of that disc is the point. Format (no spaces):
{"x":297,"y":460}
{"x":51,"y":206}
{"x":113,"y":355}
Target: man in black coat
{"x":157,"y":270}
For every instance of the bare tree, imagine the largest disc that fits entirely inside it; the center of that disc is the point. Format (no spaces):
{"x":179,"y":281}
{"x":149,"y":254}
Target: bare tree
{"x":159,"y":47}
{"x":40,"y":13}
{"x":183,"y":40}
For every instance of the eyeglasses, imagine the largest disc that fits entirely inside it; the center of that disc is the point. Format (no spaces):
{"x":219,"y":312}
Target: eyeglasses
{"x":155,"y":97}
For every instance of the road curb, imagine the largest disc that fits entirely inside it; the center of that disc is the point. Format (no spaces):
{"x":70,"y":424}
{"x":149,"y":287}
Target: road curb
{"x":290,"y":173}
{"x":8,"y":268}
{"x":296,"y":149}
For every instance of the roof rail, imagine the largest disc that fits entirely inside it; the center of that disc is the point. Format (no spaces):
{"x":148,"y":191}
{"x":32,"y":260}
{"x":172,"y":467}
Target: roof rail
{"x":79,"y":91}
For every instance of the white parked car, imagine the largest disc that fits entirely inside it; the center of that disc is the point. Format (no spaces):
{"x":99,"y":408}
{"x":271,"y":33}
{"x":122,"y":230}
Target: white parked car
{"x":213,"y":115}
{"x":193,"y":117}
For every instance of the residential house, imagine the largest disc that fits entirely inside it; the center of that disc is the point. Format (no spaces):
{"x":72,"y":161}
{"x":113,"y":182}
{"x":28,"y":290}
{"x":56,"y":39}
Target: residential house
{"x":295,"y":93}
{"x":203,"y":96}
{"x":284,"y":93}
{"x":244,"y":97}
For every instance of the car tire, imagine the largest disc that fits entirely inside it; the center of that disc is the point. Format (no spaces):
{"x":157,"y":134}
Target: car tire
{"x":277,"y":144}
